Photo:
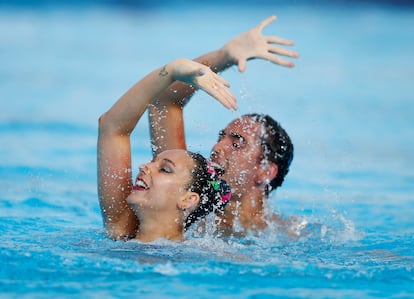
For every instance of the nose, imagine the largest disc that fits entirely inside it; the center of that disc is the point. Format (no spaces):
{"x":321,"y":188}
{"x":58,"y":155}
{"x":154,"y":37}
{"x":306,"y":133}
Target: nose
{"x":218,"y":150}
{"x":145,"y":169}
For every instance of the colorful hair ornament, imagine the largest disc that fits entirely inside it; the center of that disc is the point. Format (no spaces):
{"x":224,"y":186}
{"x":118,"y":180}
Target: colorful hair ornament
{"x":215,"y":184}
{"x":210,"y":168}
{"x":218,"y":184}
{"x":226,"y":197}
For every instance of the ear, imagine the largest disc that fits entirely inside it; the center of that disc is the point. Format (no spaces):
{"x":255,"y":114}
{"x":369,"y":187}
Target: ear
{"x":267,"y":172}
{"x":188,"y":200}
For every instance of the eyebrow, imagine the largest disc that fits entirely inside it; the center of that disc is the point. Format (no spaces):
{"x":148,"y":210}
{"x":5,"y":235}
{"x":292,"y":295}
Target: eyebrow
{"x":164,"y":160}
{"x":168,"y":161}
{"x":232,"y":134}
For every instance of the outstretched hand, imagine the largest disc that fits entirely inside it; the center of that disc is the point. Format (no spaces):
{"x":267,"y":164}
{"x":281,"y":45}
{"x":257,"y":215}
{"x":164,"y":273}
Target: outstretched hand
{"x":203,"y":77}
{"x":253,"y":44}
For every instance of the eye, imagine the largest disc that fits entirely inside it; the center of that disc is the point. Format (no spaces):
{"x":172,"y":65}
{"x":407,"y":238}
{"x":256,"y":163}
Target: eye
{"x":238,"y":142}
{"x":166,"y":169}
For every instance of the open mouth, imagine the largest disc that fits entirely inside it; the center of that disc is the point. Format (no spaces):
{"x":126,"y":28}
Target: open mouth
{"x":217,"y":167}
{"x":140,"y":185}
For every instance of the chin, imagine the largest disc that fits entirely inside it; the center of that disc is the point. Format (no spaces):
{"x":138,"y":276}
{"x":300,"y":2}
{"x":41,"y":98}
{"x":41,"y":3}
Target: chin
{"x":134,"y":199}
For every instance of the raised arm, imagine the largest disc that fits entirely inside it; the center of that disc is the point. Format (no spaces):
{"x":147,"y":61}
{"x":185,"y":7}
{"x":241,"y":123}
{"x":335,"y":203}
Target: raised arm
{"x":116,"y":125}
{"x":166,"y":112}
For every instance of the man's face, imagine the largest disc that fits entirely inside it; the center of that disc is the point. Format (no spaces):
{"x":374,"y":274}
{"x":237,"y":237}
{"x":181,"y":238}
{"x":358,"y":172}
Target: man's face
{"x":238,"y":150}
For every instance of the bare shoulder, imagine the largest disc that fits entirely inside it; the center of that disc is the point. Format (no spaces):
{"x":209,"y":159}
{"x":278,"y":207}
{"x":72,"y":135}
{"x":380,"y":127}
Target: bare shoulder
{"x":292,"y":226}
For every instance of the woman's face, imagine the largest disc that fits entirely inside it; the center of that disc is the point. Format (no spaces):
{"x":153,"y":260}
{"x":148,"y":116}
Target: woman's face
{"x":161,"y":182}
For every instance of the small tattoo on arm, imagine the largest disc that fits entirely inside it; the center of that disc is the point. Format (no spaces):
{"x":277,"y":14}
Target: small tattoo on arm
{"x":163,"y":71}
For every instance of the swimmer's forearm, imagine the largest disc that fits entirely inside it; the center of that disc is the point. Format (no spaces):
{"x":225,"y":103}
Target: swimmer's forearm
{"x":179,"y":92}
{"x":123,"y":116}
{"x":217,"y":60}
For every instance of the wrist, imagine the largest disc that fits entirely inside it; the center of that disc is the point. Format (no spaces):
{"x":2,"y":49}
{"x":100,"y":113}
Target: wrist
{"x":217,"y":60}
{"x":171,"y":69}
{"x":225,"y":59}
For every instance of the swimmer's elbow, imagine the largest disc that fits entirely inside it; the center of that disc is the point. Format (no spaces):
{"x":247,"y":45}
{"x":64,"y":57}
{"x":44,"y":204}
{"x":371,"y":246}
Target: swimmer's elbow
{"x":102,"y":120}
{"x":104,"y":124}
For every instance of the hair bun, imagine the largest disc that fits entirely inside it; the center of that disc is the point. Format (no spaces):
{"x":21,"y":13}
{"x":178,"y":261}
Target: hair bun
{"x":214,"y":191}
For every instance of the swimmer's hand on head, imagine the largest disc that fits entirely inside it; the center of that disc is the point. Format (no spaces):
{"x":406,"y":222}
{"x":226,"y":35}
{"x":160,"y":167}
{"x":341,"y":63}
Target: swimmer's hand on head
{"x":204,"y":78}
{"x":253,"y":44}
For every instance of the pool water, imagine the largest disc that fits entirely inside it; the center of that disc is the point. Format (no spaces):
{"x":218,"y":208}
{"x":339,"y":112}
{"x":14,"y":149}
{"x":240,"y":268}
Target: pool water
{"x":348,"y":106}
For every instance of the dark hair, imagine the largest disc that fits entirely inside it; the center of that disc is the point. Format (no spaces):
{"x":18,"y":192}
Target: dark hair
{"x":214,"y":191}
{"x":277,"y":147}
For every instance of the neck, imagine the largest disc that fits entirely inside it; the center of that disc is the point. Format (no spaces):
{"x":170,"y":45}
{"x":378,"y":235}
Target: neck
{"x":247,"y":209}
{"x":161,"y":226}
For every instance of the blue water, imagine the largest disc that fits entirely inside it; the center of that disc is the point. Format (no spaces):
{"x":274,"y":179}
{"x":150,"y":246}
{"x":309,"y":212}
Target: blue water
{"x":348,"y":105}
